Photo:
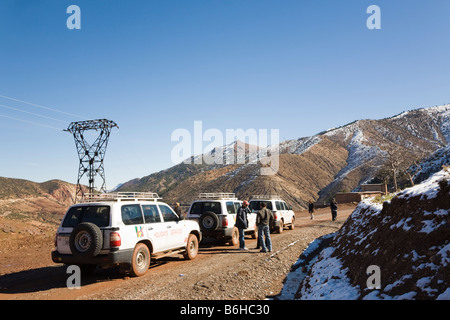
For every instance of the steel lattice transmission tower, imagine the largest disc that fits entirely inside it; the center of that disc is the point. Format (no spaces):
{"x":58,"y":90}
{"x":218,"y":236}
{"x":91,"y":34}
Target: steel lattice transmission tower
{"x":91,"y":155}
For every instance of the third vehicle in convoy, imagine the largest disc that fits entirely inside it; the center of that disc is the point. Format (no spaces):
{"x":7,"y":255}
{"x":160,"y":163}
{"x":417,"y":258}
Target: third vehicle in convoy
{"x":283,"y":214}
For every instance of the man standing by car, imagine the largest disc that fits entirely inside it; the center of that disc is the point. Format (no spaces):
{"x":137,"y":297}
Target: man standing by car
{"x":263,"y":218}
{"x":177,"y":209}
{"x":242,"y":223}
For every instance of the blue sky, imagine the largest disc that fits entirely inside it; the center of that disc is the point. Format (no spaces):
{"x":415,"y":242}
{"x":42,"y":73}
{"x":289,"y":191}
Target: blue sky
{"x":155,"y":66}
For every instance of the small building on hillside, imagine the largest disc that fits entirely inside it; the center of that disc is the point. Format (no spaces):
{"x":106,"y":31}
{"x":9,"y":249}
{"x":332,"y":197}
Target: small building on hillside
{"x":382,"y":187}
{"x":367,"y":191}
{"x":348,"y":197}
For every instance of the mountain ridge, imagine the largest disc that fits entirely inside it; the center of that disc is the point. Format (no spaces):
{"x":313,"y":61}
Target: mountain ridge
{"x":315,"y":167}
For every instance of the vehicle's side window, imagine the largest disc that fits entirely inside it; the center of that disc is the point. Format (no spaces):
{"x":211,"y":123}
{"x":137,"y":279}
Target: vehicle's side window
{"x":151,"y":213}
{"x":237,"y":205}
{"x":231,"y":209}
{"x":255,"y":206}
{"x":132,"y":214}
{"x":285,"y":207}
{"x":167,"y":213}
{"x":278,"y":205}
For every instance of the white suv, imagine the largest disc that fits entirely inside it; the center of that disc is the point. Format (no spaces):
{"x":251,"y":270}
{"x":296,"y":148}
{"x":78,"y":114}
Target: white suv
{"x":283,"y":214}
{"x":124,"y":228}
{"x":216,"y":215}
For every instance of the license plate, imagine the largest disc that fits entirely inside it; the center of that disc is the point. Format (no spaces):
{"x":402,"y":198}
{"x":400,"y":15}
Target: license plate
{"x":63,"y":240}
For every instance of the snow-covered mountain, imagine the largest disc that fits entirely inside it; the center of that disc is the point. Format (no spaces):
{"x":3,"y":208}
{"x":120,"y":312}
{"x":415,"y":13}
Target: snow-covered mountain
{"x":339,"y":159}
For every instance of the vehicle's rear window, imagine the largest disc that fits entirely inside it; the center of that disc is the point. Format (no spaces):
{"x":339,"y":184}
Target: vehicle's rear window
{"x":202,"y":207}
{"x":98,"y":215}
{"x":212,"y":206}
{"x":255,"y":206}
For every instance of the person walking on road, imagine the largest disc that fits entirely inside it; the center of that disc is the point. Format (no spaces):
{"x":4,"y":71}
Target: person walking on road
{"x":334,"y":207}
{"x":263,"y":218}
{"x":311,"y":209}
{"x":242,"y":223}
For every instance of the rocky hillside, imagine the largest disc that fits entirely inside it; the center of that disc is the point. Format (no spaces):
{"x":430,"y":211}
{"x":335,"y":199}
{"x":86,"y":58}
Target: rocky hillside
{"x":316,"y":167}
{"x":23,"y":197}
{"x":407,"y":238}
{"x":431,"y":164}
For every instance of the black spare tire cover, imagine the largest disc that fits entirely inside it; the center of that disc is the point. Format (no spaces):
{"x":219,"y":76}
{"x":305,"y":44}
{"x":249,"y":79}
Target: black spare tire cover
{"x":209,"y":221}
{"x":86,"y":240}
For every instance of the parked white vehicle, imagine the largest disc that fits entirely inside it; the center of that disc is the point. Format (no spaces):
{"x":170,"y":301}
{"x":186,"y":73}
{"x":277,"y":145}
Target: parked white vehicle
{"x":216,"y":215}
{"x":283,"y":214}
{"x":124,"y":228}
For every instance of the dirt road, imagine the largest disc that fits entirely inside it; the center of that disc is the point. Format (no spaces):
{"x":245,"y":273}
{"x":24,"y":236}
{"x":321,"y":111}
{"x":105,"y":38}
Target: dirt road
{"x":219,"y":272}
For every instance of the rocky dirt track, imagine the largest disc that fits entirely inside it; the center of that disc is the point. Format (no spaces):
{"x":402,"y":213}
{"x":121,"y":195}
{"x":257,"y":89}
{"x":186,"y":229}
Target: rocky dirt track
{"x":219,"y":272}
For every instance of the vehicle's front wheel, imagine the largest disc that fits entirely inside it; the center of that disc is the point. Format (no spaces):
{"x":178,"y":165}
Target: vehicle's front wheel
{"x":280,"y":227}
{"x":141,"y":260}
{"x":234,"y":237}
{"x":191,"y":247}
{"x":292,"y":226}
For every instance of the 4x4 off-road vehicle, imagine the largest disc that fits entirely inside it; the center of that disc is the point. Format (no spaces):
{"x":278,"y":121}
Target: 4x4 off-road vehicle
{"x":216,"y":215}
{"x":283,"y":214}
{"x":126,"y":229}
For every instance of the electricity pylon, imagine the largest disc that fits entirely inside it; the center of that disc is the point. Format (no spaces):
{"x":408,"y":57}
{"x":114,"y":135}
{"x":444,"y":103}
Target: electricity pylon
{"x":91,"y":155}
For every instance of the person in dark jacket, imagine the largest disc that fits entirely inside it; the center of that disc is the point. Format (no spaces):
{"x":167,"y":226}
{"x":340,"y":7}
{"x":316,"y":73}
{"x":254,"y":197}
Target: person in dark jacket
{"x":242,"y":223}
{"x":334,"y":207}
{"x":311,"y":209}
{"x":263,"y":219}
{"x":177,"y":209}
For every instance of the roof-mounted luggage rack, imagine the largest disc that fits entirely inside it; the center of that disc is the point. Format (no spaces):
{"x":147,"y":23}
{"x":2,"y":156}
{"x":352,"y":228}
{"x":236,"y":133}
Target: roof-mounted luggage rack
{"x":266,"y":197}
{"x":217,"y":196}
{"x":120,"y":196}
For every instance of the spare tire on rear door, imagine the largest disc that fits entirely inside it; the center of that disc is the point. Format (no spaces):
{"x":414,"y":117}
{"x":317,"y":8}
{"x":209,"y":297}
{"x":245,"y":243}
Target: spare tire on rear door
{"x":209,"y":221}
{"x":86,"y":240}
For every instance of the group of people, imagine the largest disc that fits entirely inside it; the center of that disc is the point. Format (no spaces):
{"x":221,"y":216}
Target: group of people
{"x":263,"y":219}
{"x":333,"y":207}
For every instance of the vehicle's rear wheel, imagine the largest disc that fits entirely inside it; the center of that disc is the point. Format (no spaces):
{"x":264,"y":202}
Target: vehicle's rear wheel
{"x":191,"y":247}
{"x":141,"y":260}
{"x":209,"y":221}
{"x":86,"y":240}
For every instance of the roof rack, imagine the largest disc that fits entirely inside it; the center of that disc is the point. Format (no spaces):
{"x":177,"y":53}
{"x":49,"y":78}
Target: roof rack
{"x":120,"y":196}
{"x":266,"y":197}
{"x":218,"y":196}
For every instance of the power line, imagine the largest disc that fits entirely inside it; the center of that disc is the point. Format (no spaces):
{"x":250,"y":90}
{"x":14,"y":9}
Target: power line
{"x":32,"y":113}
{"x":44,"y":107}
{"x":32,"y":122}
